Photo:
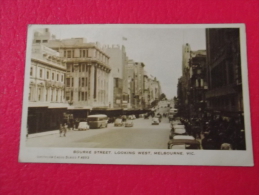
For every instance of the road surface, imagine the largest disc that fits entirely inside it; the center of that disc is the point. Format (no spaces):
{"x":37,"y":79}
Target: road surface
{"x":142,"y":135}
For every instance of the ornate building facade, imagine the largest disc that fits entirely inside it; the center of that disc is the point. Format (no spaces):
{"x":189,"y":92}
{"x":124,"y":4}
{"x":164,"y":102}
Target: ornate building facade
{"x":46,"y":89}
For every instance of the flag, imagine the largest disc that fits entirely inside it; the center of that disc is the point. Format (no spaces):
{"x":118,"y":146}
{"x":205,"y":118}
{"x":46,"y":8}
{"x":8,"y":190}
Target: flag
{"x":124,"y":38}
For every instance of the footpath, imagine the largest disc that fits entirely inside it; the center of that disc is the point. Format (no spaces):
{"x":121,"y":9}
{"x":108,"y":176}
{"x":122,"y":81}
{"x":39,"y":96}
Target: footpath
{"x":43,"y":134}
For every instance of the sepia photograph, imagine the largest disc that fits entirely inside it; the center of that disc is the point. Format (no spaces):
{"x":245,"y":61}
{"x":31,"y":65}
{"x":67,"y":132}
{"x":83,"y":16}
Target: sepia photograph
{"x":136,"y":94}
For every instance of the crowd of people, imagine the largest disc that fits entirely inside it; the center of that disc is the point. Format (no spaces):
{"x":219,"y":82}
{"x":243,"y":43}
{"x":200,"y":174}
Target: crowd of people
{"x":217,"y":133}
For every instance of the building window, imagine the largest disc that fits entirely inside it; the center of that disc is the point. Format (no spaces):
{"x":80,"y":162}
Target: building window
{"x":62,"y":78}
{"x":37,"y":41}
{"x":83,"y":82}
{"x":68,"y":82}
{"x":79,"y":67}
{"x":83,"y":67}
{"x":65,"y":53}
{"x":67,"y":95}
{"x":51,"y":95}
{"x":72,"y":82}
{"x":86,"y":82}
{"x":82,"y":53}
{"x":61,"y":94}
{"x":40,"y":73}
{"x":45,"y":41}
{"x":69,"y":54}
{"x":57,"y":77}
{"x":78,"y":95}
{"x":79,"y":82}
{"x":57,"y":92}
{"x":29,"y":94}
{"x":47,"y":74}
{"x":39,"y":93}
{"x":53,"y":76}
{"x":47,"y":94}
{"x":83,"y":96}
{"x":72,"y":94}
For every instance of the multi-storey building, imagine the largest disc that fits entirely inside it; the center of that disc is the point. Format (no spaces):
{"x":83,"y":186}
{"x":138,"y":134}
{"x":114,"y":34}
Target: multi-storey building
{"x":139,"y":84}
{"x":193,"y":83}
{"x":224,"y":71}
{"x":198,"y":83}
{"x":185,"y":74}
{"x":147,"y":91}
{"x":46,"y":89}
{"x":130,"y":76}
{"x":87,"y":76}
{"x":155,"y":89}
{"x":118,"y":59}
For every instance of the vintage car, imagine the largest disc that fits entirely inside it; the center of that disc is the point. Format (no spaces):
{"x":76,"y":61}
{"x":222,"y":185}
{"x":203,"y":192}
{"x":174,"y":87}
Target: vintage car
{"x":177,"y":130}
{"x":130,"y":117}
{"x":155,"y":121}
{"x":111,"y":119}
{"x":83,"y":126}
{"x":146,"y":116}
{"x":178,"y":126}
{"x":141,"y":115}
{"x":118,"y":123}
{"x":176,"y":122}
{"x":184,"y":142}
{"x":129,"y":123}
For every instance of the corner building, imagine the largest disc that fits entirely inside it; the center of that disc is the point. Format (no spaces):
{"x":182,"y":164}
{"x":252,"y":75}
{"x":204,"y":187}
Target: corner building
{"x":46,"y":90}
{"x":87,"y":76}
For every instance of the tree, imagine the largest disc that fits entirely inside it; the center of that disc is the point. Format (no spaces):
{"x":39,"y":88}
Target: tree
{"x":162,"y":97}
{"x":154,"y":103}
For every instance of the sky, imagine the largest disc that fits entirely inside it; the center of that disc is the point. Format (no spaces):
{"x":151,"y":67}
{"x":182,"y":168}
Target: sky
{"x":158,"y":47}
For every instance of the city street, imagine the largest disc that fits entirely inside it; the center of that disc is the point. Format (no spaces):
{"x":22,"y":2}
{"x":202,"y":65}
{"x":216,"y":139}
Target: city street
{"x":142,"y":135}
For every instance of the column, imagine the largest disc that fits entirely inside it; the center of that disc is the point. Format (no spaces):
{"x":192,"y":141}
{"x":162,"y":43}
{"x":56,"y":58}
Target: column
{"x":76,"y":80}
{"x":92,"y":84}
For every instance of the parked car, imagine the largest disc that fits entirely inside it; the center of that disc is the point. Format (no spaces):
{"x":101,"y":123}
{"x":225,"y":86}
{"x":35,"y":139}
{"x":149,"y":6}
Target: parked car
{"x":141,"y":115}
{"x":176,"y":122}
{"x":177,"y":130}
{"x":118,"y":122}
{"x":124,"y":118}
{"x":111,"y":119}
{"x":134,"y":117}
{"x":129,"y":123}
{"x":83,"y":126}
{"x":155,"y":121}
{"x":130,"y":117}
{"x":173,"y":127}
{"x":146,"y":116}
{"x":184,"y":142}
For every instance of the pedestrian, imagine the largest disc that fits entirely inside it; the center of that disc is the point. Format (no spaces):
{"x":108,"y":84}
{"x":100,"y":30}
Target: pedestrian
{"x":61,"y":129}
{"x":65,"y":129}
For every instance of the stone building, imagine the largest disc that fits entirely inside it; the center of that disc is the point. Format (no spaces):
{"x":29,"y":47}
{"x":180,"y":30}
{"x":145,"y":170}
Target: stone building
{"x":118,"y":60}
{"x":87,"y":74}
{"x":46,"y":89}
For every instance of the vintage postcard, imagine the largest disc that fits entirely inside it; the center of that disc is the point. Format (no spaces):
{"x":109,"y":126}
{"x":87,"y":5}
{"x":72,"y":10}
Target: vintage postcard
{"x":136,"y":94}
